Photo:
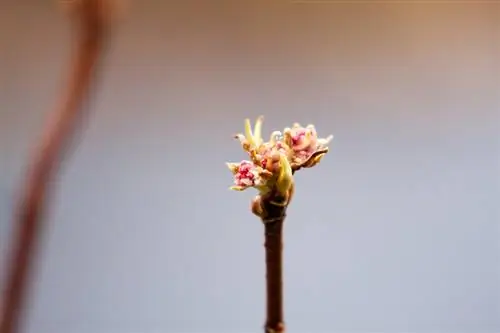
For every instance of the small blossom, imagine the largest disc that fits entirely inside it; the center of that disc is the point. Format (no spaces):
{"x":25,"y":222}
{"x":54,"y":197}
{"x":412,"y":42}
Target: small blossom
{"x":272,"y":163}
{"x":268,"y":155}
{"x":264,"y":154}
{"x":246,"y":174}
{"x":304,"y":143}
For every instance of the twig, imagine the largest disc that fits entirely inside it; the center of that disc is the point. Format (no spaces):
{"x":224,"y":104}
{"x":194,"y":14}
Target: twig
{"x":92,"y":20}
{"x":274,"y":213}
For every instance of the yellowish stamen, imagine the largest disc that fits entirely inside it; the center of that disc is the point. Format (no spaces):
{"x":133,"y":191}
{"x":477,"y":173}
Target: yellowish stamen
{"x":257,"y":132}
{"x":248,"y":132}
{"x":285,"y":176}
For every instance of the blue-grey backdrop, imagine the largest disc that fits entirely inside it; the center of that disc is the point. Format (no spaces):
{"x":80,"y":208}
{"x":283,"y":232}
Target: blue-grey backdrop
{"x":396,"y":231}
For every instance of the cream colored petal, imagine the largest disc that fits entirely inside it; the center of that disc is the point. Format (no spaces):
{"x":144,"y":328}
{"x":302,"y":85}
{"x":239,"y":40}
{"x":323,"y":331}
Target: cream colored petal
{"x":240,"y":137}
{"x":274,"y":136}
{"x":325,"y":141}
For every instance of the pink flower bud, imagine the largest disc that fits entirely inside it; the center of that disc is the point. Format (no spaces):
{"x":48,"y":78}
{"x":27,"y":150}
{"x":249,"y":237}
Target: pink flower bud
{"x":304,"y":142}
{"x":247,"y":174}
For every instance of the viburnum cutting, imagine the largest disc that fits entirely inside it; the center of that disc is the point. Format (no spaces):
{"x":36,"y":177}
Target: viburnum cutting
{"x":270,"y":169}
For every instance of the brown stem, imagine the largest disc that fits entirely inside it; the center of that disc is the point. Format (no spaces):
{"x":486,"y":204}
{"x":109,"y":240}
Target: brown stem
{"x":273,"y":222}
{"x":27,"y":225}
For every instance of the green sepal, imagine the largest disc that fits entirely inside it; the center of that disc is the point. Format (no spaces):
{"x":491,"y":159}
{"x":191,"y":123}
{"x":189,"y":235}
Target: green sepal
{"x":285,"y":176}
{"x":248,"y":132}
{"x":238,"y":188}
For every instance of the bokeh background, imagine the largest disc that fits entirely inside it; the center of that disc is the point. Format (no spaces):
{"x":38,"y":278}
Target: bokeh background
{"x":397,"y":230}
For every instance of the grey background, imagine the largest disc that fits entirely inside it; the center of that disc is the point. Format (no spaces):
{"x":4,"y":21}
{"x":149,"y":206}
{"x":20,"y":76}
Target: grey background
{"x":396,"y":231}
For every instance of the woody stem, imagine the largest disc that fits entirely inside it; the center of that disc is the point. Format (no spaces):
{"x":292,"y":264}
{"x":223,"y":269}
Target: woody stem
{"x":273,"y":223}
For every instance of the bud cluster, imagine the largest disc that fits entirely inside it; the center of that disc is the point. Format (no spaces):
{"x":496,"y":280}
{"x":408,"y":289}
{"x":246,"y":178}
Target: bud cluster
{"x":272,"y":163}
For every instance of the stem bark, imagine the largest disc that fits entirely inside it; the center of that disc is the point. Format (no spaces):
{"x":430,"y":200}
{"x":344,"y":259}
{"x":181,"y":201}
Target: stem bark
{"x":273,"y":223}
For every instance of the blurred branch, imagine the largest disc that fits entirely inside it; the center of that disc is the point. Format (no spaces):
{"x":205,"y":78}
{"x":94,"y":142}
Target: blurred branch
{"x":92,"y":18}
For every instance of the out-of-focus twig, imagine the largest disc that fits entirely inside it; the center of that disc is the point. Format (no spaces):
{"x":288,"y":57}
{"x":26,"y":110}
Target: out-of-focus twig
{"x":92,"y":18}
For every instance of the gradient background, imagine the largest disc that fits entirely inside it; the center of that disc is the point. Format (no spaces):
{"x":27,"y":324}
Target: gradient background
{"x":396,"y":231}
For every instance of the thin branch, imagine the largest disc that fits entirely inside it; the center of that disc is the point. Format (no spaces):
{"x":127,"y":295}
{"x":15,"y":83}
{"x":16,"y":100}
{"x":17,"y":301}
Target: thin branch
{"x":91,"y":20}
